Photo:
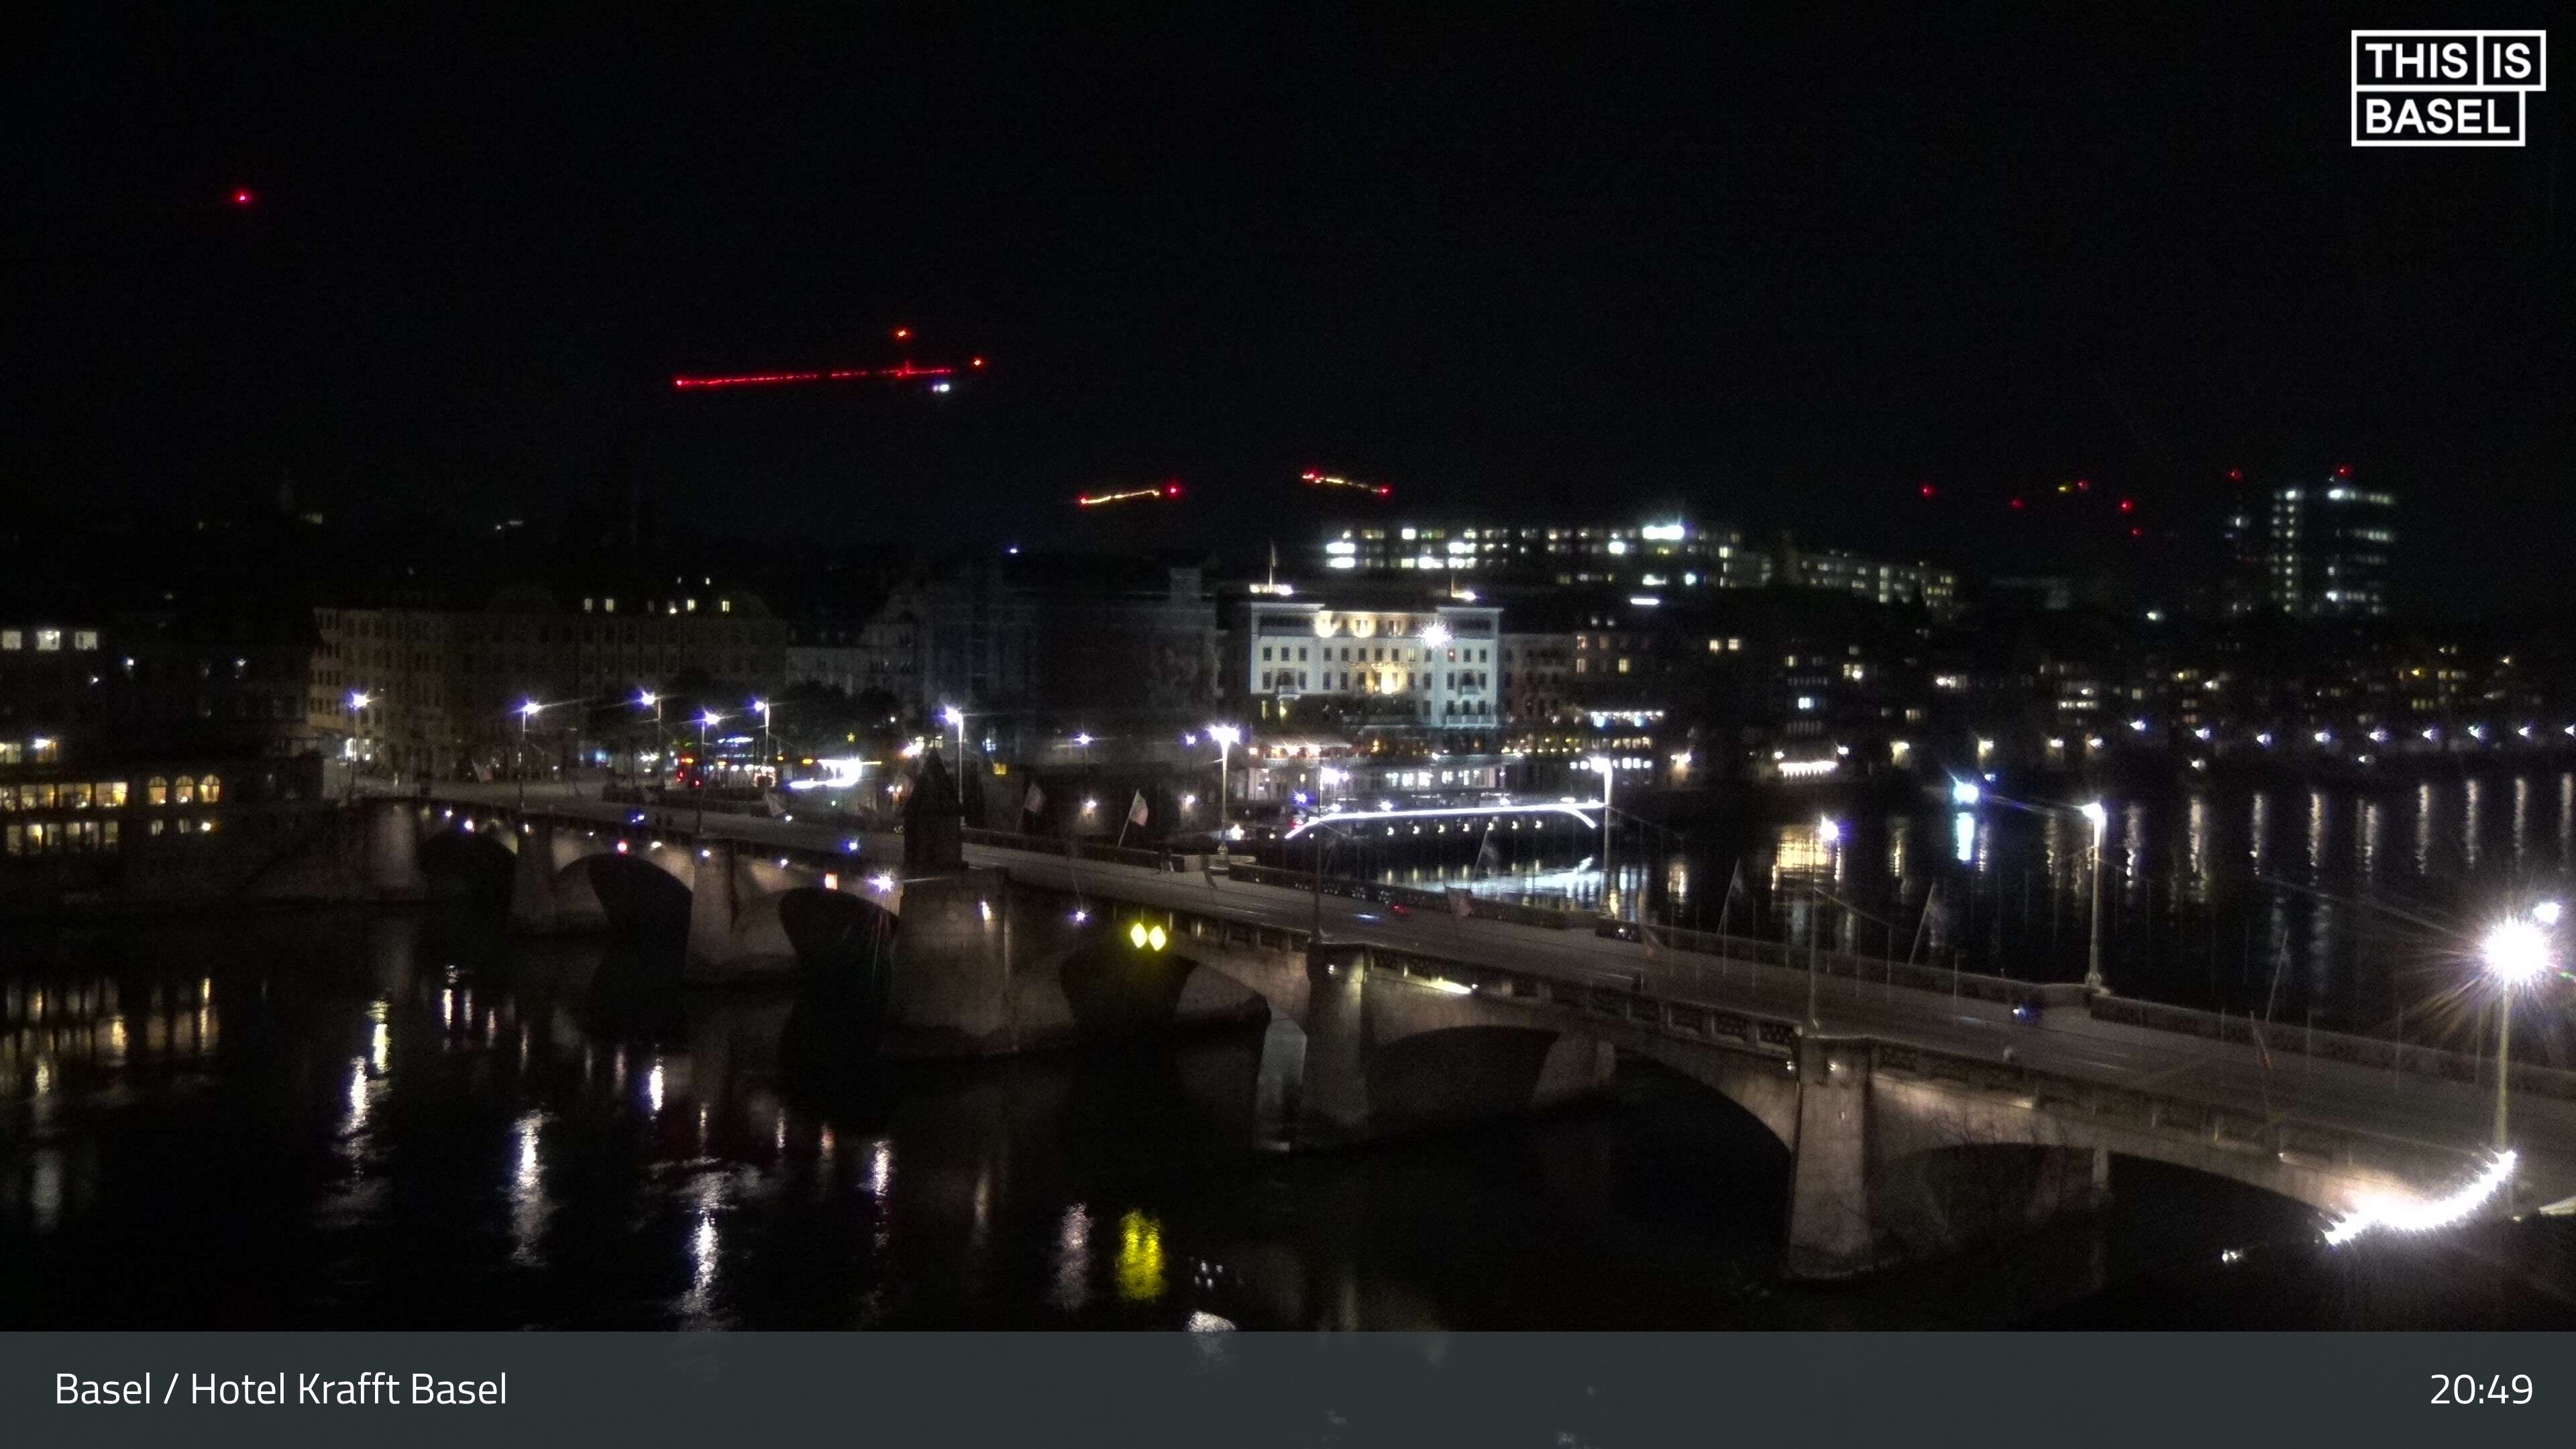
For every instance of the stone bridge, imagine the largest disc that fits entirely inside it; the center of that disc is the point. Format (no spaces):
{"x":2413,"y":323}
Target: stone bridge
{"x":1902,"y":1144}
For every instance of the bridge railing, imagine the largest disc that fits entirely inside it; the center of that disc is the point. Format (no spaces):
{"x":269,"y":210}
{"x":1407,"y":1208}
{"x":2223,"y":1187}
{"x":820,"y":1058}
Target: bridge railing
{"x":2379,"y":1052}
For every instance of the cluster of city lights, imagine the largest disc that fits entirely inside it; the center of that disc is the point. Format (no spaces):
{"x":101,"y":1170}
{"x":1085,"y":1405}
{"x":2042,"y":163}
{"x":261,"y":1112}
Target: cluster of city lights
{"x":1314,"y":479}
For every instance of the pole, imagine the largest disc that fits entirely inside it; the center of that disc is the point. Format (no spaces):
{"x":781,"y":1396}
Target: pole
{"x":2504,"y":1072}
{"x":1815,"y":918}
{"x":1223,"y":750}
{"x":2093,"y":943}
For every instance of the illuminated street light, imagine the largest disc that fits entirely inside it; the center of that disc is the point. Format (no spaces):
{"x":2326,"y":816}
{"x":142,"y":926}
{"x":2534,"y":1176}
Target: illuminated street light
{"x":1829,"y":830}
{"x":1227,"y":737}
{"x":2516,"y":953}
{"x":1435,"y":634}
{"x":2547,"y":912}
{"x":1965,"y":792}
{"x":359,"y":699}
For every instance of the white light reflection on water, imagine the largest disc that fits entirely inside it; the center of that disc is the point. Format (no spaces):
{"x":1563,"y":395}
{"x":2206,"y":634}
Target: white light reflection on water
{"x":529,"y":1205}
{"x":1072,"y":1289}
{"x":706,"y":1245}
{"x":1963,"y":836}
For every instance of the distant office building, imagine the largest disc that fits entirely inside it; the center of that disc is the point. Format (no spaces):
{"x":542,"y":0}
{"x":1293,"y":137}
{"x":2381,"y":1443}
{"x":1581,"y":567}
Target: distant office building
{"x":1675,"y":554}
{"x":1914,"y":585}
{"x":2330,"y":549}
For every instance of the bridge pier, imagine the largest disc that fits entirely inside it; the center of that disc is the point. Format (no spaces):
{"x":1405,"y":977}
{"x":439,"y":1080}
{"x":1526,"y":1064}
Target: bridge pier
{"x":393,"y":852}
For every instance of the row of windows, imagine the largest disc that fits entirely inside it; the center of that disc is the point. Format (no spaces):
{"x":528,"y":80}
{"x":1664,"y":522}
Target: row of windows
{"x":109,"y":794}
{"x":48,"y":641}
{"x":88,"y":837}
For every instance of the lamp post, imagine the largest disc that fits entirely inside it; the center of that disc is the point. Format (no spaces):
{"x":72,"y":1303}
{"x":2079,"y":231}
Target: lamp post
{"x":707,"y":720}
{"x":527,"y":711}
{"x":768,"y":755}
{"x":649,"y":700}
{"x":1829,"y":834}
{"x":1226,"y":737}
{"x":2515,"y":953}
{"x":956,"y":720}
{"x":2100,"y":819}
{"x":359,"y":699}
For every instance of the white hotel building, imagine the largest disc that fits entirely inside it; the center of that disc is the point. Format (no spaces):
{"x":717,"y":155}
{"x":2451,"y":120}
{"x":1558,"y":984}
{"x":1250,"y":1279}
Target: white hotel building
{"x":1435,"y":664}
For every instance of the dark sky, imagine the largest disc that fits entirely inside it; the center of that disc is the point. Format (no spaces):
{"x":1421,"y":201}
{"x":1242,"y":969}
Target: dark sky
{"x":1592,"y":261}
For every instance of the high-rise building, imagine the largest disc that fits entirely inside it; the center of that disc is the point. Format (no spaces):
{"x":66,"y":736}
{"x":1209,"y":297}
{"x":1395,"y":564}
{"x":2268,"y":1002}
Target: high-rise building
{"x":2330,"y":549}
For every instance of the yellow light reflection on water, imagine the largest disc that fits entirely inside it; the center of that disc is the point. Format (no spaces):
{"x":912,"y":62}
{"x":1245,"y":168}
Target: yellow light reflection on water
{"x":1140,"y":1258}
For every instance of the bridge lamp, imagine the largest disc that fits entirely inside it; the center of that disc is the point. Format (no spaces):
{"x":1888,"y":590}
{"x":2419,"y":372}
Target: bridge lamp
{"x":1227,"y":737}
{"x":2099,"y":817}
{"x":1829,"y":830}
{"x":2516,"y":953}
{"x":881,"y":882}
{"x":1965,"y":792}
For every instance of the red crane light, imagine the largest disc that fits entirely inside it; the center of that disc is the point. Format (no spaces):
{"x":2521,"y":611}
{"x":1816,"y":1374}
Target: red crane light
{"x":2235,"y":475}
{"x":242,"y":197}
{"x":2344,"y":471}
{"x":1171,"y":488}
{"x":1924,"y":489}
{"x":899,"y":373}
{"x":2083,"y":485}
{"x":2128,"y":507}
{"x":2137,"y":533}
{"x":2016,"y":503}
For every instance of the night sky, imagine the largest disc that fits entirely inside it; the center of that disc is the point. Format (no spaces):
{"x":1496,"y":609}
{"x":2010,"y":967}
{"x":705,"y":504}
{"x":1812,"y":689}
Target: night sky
{"x":1589,"y":262}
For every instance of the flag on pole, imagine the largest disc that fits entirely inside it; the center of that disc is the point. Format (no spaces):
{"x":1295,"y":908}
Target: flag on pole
{"x":1136,"y":811}
{"x":1036,"y":801}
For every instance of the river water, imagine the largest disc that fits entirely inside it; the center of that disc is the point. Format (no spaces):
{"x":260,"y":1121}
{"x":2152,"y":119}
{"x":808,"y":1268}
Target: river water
{"x":2345,"y":910}
{"x":407,"y":1119}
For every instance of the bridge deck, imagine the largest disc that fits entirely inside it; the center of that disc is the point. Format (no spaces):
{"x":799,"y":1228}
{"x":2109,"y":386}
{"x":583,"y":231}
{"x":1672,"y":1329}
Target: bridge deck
{"x":2408,"y":1109}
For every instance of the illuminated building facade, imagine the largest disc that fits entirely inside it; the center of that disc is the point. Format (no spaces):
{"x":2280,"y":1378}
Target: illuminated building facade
{"x":1428,"y":665}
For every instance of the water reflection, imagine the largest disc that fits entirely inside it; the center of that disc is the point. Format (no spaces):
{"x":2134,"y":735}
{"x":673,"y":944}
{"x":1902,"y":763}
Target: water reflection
{"x":2202,"y":905}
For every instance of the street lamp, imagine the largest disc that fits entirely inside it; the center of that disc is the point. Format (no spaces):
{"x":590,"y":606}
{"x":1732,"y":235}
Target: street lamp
{"x":1829,"y":833}
{"x":2100,"y":819}
{"x":767,"y":754}
{"x":359,"y":699}
{"x":1226,"y":737}
{"x":2515,"y":953}
{"x":527,"y":711}
{"x":647,"y":699}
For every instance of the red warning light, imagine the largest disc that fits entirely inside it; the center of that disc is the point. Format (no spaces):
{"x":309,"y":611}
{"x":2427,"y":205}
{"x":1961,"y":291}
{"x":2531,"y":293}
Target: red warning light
{"x":2128,"y":507}
{"x":1924,"y":490}
{"x":242,"y":197}
{"x":2235,"y":475}
{"x":2083,"y":485}
{"x":978,"y":362}
{"x":903,"y":334}
{"x":1385,"y":492}
{"x":2137,"y":533}
{"x":2345,"y":471}
{"x":2016,"y":503}
{"x":1171,"y":488}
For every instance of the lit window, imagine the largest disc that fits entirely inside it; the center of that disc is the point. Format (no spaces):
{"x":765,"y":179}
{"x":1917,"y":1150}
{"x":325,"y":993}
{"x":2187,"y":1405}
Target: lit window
{"x":156,"y":791}
{"x":11,"y":640}
{"x":85,"y":639}
{"x":185,"y":792}
{"x":49,"y":641}
{"x":210,"y":790}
